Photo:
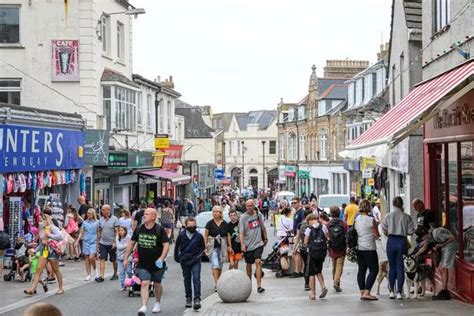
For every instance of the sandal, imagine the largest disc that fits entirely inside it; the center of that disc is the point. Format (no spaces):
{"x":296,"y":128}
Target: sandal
{"x":29,"y":292}
{"x":312,"y":297}
{"x":369,"y":298}
{"x":260,"y":290}
{"x":60,"y":292}
{"x":45,"y":288}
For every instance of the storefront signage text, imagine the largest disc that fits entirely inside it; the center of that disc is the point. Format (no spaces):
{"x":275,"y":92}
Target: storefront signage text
{"x":118,"y":160}
{"x":24,"y":148}
{"x":461,"y":115}
{"x":96,"y":147}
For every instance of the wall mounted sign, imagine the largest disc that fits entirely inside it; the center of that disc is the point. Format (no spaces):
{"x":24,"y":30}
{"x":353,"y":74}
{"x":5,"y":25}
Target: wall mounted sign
{"x":65,"y":60}
{"x":96,"y":147}
{"x":118,"y":160}
{"x":25,"y":148}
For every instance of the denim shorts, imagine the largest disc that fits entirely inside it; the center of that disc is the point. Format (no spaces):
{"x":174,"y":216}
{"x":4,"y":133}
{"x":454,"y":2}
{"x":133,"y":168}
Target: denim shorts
{"x":216,"y":262}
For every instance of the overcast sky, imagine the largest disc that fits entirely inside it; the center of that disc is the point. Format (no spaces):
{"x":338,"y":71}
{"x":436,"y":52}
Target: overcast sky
{"x":241,"y":55}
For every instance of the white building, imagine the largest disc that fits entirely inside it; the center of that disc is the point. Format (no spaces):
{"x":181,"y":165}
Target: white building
{"x":250,"y":147}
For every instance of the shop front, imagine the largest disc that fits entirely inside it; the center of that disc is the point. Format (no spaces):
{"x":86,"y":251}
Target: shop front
{"x":290,"y":175}
{"x":303,"y":181}
{"x":39,"y":165}
{"x":449,"y":189}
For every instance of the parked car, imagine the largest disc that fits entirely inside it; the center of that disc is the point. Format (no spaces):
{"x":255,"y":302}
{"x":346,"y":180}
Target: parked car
{"x":204,"y":217}
{"x":325,"y":201}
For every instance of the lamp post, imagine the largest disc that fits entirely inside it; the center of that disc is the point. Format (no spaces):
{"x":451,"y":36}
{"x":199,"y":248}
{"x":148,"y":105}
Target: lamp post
{"x":243,"y":167}
{"x":263,"y":180}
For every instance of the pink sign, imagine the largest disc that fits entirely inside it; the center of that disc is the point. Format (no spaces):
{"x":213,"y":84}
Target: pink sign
{"x":65,"y":60}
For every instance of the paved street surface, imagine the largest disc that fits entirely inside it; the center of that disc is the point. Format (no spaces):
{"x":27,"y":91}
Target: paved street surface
{"x":89,"y":298}
{"x":287,"y":297}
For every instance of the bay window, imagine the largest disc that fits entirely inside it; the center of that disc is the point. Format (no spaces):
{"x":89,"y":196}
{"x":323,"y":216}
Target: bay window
{"x":120,"y":108}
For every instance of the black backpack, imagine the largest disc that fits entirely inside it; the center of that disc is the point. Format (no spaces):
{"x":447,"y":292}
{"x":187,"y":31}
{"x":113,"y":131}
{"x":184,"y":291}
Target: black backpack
{"x":317,"y":246}
{"x":337,"y":235}
{"x":352,"y":237}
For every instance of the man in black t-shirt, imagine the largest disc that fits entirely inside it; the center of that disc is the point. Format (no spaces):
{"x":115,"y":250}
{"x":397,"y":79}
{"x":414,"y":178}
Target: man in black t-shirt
{"x":233,"y":241}
{"x":83,"y":207}
{"x":153,"y":245}
{"x":426,"y":219}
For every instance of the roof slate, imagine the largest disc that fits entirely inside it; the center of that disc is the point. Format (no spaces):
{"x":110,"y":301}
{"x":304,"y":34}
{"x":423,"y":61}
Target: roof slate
{"x":194,"y":125}
{"x":111,"y":75}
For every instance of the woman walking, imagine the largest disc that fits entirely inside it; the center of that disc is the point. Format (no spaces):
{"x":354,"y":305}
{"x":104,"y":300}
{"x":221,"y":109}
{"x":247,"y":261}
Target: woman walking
{"x":367,"y":233}
{"x":88,"y":231}
{"x":167,"y":218}
{"x":73,"y":222}
{"x":49,"y":234}
{"x":215,"y":240}
{"x":126,"y":221}
{"x":397,"y":226}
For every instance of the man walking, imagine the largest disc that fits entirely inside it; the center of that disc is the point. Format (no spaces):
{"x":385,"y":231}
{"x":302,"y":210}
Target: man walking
{"x":108,"y":227}
{"x":351,"y":211}
{"x":187,"y":251}
{"x":253,"y":238}
{"x":153,"y":246}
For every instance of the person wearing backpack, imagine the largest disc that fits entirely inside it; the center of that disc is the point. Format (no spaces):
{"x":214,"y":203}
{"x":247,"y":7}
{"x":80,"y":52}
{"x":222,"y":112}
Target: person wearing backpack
{"x":367,"y":258}
{"x":315,"y":240}
{"x":337,"y":229}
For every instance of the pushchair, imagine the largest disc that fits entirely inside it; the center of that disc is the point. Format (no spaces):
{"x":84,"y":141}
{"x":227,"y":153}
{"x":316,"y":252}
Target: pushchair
{"x":16,"y":262}
{"x":280,"y":253}
{"x":134,"y":284}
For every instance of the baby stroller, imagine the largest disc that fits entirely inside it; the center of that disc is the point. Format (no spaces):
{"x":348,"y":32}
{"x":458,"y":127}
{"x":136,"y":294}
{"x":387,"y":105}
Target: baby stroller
{"x":16,"y":262}
{"x":134,"y":284}
{"x":278,"y":259}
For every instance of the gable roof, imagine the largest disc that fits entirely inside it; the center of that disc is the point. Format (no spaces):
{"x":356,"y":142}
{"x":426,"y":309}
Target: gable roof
{"x":194,"y":125}
{"x":335,"y":91}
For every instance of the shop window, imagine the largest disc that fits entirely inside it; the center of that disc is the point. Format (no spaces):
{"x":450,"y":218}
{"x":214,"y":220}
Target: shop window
{"x":10,"y":91}
{"x":452,"y":216}
{"x":9,"y":24}
{"x":467,"y":195}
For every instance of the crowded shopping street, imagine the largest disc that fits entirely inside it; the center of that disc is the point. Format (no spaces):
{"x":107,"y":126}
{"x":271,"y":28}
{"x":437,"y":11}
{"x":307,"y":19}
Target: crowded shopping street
{"x":224,"y":157}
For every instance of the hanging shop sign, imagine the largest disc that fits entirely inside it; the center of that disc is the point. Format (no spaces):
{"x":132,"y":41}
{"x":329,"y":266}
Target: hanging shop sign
{"x":65,"y":60}
{"x":368,"y":163}
{"x":290,"y":171}
{"x":24,"y":148}
{"x":162,"y":141}
{"x":96,"y":147}
{"x":172,"y":157}
{"x":140,"y":159}
{"x":352,"y":165}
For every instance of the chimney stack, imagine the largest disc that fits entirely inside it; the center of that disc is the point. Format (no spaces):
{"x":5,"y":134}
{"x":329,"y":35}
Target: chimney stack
{"x":167,"y":83}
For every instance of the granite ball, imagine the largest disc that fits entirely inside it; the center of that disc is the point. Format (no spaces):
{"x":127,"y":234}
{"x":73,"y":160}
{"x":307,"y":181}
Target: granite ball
{"x":234,"y":286}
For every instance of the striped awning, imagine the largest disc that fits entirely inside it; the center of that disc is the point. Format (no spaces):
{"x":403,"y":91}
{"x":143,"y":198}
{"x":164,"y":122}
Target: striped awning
{"x":409,"y":114}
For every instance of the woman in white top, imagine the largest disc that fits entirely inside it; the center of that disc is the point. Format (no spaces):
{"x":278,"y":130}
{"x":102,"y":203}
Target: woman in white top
{"x":284,"y":223}
{"x":367,"y":233}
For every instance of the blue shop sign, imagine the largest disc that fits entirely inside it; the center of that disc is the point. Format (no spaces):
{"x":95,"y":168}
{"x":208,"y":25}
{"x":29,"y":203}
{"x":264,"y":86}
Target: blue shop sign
{"x":24,"y":148}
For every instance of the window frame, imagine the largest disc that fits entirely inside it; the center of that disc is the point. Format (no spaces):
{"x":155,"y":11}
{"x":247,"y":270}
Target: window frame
{"x":442,"y":15}
{"x":120,"y":41}
{"x":323,"y":146}
{"x":105,"y":33}
{"x":123,"y":108}
{"x":9,"y":90}
{"x":149,"y":111}
{"x":272,"y":147}
{"x":18,"y":7}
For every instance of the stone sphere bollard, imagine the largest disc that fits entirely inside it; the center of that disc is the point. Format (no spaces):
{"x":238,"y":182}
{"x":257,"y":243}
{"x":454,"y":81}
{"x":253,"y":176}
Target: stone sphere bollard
{"x":234,"y":286}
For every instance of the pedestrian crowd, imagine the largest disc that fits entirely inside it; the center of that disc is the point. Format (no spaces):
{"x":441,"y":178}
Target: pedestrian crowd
{"x":137,"y":244}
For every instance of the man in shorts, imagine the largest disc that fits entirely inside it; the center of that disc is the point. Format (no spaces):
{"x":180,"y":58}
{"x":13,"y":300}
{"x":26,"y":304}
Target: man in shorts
{"x":108,"y":227}
{"x":153,"y":245}
{"x":253,"y":238}
{"x":233,"y":240}
{"x":445,"y":241}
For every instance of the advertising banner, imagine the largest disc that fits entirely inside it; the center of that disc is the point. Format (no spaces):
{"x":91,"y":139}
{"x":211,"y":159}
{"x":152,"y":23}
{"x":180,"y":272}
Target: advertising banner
{"x":65,"y":60}
{"x":24,"y":148}
{"x":172,"y":159}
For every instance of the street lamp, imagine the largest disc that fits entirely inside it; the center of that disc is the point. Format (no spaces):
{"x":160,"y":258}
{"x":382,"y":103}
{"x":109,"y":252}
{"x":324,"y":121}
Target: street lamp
{"x":243,"y":166}
{"x":263,"y":145}
{"x":134,"y":12}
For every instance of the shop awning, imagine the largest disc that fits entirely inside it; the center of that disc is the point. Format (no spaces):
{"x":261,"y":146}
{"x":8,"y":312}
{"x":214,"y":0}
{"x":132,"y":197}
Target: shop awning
{"x":175,"y":178}
{"x":420,"y":105}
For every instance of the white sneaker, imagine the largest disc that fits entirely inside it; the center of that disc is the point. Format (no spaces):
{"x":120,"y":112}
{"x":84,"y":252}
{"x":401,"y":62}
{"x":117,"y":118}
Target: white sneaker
{"x":399,"y":296}
{"x":97,"y":274}
{"x":142,"y":311}
{"x":392,"y":295}
{"x":88,"y":278}
{"x":156,"y":308}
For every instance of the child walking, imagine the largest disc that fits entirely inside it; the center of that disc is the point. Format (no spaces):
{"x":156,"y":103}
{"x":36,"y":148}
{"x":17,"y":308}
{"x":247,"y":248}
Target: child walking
{"x":122,"y":241}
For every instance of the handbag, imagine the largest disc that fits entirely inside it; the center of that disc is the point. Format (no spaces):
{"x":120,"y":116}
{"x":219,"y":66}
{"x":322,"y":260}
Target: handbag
{"x":180,"y":257}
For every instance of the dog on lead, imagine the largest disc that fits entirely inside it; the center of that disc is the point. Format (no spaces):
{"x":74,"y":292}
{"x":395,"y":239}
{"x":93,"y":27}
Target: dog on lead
{"x":383,"y":274}
{"x":418,"y":274}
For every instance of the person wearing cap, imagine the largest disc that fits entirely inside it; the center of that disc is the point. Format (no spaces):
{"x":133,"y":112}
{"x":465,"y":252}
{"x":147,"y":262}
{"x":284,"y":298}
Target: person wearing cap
{"x":376,"y":212}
